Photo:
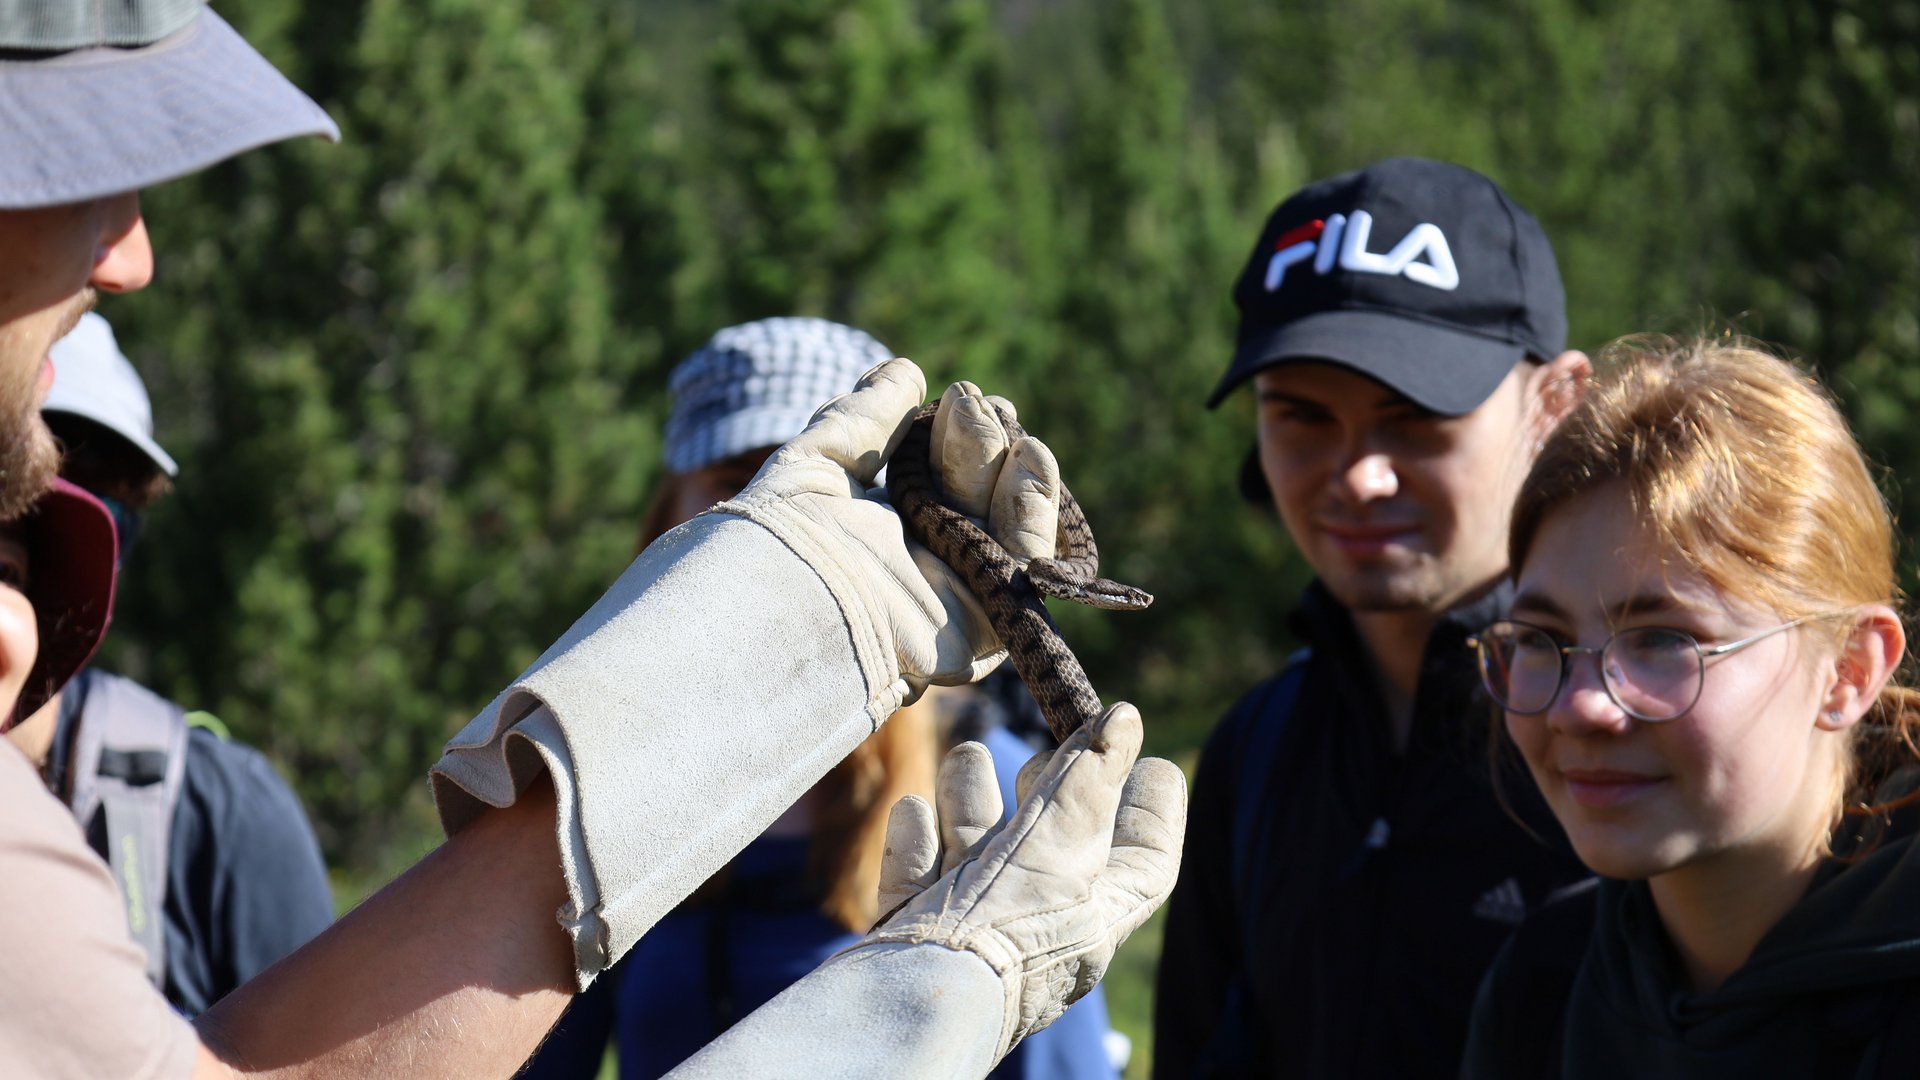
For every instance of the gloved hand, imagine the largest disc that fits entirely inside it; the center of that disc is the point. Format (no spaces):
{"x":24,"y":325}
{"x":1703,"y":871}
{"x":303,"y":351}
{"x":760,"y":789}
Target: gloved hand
{"x":919,"y":848}
{"x":913,"y":621}
{"x":742,"y":655}
{"x":1091,"y":852}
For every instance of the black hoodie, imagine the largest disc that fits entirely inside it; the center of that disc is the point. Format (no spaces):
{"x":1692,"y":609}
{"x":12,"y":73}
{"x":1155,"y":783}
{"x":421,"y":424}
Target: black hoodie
{"x":1833,"y":990}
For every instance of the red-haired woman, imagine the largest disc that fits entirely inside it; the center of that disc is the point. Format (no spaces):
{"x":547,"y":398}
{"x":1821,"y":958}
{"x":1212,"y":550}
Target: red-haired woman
{"x":1699,"y":671}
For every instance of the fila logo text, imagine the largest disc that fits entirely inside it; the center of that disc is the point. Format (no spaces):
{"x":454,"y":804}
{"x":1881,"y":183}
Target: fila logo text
{"x":1342,"y":240}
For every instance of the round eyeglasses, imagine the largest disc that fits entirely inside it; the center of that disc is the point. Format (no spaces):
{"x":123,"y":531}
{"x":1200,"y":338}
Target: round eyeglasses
{"x":1653,"y":673}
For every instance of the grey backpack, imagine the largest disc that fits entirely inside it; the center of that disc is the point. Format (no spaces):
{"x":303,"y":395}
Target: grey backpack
{"x":129,"y":761}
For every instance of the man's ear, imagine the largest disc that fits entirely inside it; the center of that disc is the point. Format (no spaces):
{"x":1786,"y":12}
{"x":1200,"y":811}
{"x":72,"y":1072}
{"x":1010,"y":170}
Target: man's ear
{"x":1554,"y":389}
{"x":1868,"y":658}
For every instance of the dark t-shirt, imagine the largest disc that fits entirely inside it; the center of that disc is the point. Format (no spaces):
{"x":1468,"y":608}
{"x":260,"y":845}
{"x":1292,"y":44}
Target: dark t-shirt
{"x":245,"y":881}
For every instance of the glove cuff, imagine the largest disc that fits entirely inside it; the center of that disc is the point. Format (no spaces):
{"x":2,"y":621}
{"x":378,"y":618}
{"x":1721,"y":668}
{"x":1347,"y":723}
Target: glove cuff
{"x":989,"y":945}
{"x":672,"y":741}
{"x":852,"y":589}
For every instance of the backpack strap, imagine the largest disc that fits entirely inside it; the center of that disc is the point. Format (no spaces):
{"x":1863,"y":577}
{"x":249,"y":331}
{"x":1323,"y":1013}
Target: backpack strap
{"x":1257,"y":747}
{"x":128,"y":766}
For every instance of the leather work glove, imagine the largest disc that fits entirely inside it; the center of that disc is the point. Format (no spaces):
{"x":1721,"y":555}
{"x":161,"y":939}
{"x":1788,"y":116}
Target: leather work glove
{"x":914,"y":621}
{"x":921,"y":846}
{"x":745,"y":653}
{"x":1045,"y":900}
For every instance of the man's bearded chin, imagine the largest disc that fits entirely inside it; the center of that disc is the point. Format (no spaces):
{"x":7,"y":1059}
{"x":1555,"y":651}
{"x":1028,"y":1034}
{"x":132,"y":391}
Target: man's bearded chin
{"x":29,"y":458}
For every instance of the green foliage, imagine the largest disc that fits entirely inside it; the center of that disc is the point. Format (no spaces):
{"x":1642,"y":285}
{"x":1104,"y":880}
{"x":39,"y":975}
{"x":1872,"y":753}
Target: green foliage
{"x":1829,"y":244}
{"x":1612,"y":123}
{"x":1147,"y":238}
{"x":851,"y":176}
{"x":387,"y":370}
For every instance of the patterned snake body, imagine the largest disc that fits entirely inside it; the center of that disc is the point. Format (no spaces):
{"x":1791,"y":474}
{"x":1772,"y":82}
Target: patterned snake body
{"x":1010,"y":593}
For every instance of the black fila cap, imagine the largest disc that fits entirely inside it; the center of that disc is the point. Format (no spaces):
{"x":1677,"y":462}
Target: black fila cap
{"x":1422,"y":275}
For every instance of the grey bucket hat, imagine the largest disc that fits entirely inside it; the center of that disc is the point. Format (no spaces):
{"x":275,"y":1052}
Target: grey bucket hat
{"x":99,"y":97}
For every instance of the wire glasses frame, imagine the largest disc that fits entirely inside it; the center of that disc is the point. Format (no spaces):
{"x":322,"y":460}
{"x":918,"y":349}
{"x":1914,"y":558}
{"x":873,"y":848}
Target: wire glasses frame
{"x":1653,"y":673}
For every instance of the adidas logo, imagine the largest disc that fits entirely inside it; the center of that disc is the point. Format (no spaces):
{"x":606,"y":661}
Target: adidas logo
{"x":1503,"y":904}
{"x":1377,"y":835}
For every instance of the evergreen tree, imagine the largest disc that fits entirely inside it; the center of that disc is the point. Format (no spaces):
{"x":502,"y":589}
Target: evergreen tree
{"x":387,"y":372}
{"x":1149,"y":242}
{"x":1615,"y":124}
{"x":849,"y":174}
{"x":415,"y":380}
{"x":1828,"y":240}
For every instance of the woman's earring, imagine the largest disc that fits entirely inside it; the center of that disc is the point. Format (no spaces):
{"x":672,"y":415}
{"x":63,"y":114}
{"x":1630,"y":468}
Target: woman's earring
{"x":1833,"y":715}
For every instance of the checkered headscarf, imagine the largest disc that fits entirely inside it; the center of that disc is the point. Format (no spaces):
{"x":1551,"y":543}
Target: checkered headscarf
{"x":757,"y":384}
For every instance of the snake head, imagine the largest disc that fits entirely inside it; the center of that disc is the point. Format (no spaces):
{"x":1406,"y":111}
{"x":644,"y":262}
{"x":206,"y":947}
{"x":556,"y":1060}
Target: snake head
{"x":1064,"y":581}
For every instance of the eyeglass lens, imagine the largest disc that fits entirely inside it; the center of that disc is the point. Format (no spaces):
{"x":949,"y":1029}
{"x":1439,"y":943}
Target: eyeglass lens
{"x":1653,"y":673}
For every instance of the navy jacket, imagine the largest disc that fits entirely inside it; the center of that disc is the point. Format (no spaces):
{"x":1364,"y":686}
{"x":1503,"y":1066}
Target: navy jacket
{"x":1352,"y":939}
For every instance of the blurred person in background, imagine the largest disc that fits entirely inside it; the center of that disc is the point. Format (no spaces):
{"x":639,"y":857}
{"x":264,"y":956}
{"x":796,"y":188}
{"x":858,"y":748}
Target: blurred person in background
{"x":808,"y":887}
{"x":229,"y":875}
{"x":1350,"y":870}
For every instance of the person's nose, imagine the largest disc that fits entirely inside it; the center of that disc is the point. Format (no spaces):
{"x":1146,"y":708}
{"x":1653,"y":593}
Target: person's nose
{"x":1584,"y":706}
{"x":122,"y":254}
{"x":1366,"y":474}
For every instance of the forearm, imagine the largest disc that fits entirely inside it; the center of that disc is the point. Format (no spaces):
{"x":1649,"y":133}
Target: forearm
{"x":889,"y":1010}
{"x":460,"y":967}
{"x":456,"y":969}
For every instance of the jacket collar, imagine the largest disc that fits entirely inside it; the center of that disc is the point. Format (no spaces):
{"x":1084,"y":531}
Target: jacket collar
{"x":1448,"y":694}
{"x":1324,"y":623}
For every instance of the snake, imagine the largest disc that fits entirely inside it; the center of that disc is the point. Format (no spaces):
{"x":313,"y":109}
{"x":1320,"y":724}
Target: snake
{"x":1010,"y":593}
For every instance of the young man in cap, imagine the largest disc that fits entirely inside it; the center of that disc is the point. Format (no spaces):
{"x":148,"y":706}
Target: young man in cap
{"x":1351,"y":869}
{"x":669,"y":726}
{"x":229,"y":876}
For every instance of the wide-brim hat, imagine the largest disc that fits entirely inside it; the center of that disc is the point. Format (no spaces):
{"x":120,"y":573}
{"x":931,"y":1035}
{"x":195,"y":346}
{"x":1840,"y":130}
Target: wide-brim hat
{"x":99,"y":98}
{"x":71,"y":550}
